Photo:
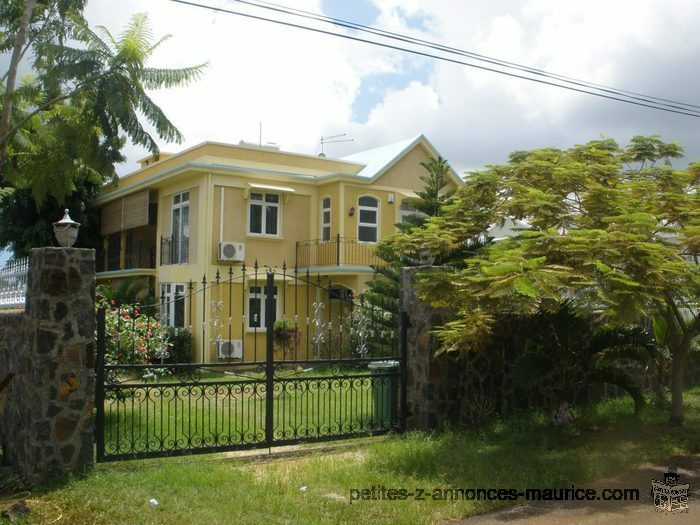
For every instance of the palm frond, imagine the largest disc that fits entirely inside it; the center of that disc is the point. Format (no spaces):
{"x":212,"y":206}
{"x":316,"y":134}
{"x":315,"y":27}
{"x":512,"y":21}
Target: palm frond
{"x":159,"y":78}
{"x":162,"y":39}
{"x":6,"y":192}
{"x":165,"y":128}
{"x":136,"y":37}
{"x":110,"y":38}
{"x":618,"y":377}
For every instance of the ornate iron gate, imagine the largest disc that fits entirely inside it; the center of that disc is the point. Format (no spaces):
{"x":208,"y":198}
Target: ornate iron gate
{"x":305,"y":363}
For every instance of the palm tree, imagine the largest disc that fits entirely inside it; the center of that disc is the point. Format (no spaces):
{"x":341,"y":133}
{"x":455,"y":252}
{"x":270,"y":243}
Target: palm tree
{"x":112,"y":76}
{"x":566,"y":351}
{"x":131,"y":291}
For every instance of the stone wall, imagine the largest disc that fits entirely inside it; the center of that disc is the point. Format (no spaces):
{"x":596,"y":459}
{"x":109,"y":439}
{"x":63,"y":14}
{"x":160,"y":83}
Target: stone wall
{"x":434,"y":385}
{"x":46,"y":411}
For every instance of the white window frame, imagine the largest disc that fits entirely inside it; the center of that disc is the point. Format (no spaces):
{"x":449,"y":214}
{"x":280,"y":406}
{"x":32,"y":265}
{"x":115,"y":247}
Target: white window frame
{"x":264,"y":206}
{"x":325,"y":224}
{"x":360,"y":224}
{"x":169,"y":293}
{"x":183,"y":202}
{"x":251,"y":294}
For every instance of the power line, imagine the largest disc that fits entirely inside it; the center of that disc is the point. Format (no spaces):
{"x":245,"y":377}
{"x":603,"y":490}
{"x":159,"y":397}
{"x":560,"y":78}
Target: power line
{"x":650,"y":104}
{"x":426,"y":43}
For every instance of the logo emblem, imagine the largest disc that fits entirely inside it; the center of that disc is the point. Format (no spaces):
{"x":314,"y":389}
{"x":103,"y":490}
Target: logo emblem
{"x":668,"y":495}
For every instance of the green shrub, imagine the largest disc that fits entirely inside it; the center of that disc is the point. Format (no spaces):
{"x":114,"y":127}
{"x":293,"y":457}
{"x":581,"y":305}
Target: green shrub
{"x":180,"y":340}
{"x":285,"y":335}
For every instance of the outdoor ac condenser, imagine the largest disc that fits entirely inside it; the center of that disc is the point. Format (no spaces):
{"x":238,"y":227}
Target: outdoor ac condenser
{"x":231,"y":251}
{"x":230,"y":349}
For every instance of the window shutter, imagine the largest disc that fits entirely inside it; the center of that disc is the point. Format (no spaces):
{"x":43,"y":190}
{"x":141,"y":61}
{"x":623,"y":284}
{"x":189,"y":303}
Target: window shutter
{"x":135,"y":211}
{"x":125,"y":214}
{"x":111,"y":217}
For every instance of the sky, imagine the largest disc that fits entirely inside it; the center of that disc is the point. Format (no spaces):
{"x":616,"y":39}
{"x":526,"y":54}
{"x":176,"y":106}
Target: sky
{"x":296,"y":86}
{"x":271,"y":84}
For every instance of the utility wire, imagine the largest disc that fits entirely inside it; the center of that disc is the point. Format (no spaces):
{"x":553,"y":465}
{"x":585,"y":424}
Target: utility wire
{"x":652,"y":105}
{"x":491,"y":60}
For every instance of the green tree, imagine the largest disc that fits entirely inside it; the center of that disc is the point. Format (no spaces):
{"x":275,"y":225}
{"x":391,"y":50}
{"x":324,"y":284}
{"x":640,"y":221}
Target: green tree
{"x":382,"y":296}
{"x":113,"y":76}
{"x":616,"y":229}
{"x":565,"y":351}
{"x":28,"y":25}
{"x":69,"y":119}
{"x":106,"y":78}
{"x":24,"y":226}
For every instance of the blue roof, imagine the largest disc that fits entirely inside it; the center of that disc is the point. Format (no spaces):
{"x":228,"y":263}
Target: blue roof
{"x":379,"y":159}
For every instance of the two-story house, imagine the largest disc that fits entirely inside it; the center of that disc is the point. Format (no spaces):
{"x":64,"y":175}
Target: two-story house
{"x":239,"y":209}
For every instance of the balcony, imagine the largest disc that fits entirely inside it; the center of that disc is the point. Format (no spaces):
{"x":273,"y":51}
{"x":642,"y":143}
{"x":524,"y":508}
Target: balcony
{"x":111,"y":259}
{"x":174,"y":250}
{"x":340,"y":251}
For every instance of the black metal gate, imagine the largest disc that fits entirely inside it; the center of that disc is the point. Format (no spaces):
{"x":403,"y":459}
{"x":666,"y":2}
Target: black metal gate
{"x":307,"y":362}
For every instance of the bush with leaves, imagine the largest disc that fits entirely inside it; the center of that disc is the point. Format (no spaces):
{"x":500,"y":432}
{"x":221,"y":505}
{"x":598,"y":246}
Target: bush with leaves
{"x":286,"y":336}
{"x":180,"y":345}
{"x":133,"y":337}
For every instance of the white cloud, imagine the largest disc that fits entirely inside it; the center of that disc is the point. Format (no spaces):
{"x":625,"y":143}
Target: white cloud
{"x":302,"y":85}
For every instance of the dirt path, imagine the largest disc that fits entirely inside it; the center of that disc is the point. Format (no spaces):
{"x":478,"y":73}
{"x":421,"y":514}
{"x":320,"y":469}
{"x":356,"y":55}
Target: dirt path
{"x":609,"y":512}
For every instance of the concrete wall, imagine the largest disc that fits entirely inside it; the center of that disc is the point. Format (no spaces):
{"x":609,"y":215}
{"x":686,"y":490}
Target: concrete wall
{"x":46,"y":412}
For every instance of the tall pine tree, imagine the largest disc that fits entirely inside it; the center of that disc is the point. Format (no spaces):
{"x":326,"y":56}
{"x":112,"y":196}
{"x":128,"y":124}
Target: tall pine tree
{"x":382,"y":296}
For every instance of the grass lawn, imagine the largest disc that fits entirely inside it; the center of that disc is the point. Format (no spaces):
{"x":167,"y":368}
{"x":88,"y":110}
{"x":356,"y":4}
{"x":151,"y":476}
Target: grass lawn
{"x":520,"y":451}
{"x":219,"y":411}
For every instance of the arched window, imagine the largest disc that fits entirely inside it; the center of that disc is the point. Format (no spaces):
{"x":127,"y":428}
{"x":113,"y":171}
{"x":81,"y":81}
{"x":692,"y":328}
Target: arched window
{"x":368,"y":219}
{"x":326,"y":219}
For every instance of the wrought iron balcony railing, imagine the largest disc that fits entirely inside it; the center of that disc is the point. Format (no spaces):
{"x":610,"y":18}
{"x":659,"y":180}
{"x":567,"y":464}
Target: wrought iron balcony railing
{"x":338,"y":251}
{"x":174,"y":250}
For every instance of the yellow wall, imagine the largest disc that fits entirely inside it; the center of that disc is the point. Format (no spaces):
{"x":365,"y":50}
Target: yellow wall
{"x":267,"y":250}
{"x":226,"y":154}
{"x":231,"y":300}
{"x":299,"y":299}
{"x":407,"y":171}
{"x":387,"y":212}
{"x":299,"y":221}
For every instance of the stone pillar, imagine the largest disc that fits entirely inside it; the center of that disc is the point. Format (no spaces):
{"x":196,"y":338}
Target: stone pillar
{"x":47,"y":425}
{"x":433,"y":384}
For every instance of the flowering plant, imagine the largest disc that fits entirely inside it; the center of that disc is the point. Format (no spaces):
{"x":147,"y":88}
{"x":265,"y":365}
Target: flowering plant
{"x":134,"y":335}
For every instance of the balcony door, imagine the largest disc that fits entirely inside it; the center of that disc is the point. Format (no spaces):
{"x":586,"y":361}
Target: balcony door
{"x":179,"y":243}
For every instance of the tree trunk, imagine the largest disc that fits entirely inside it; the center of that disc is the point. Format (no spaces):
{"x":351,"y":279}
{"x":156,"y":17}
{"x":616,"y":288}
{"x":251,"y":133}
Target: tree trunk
{"x":660,"y":385}
{"x":11,"y":78}
{"x":677,"y":371}
{"x":563,"y":416}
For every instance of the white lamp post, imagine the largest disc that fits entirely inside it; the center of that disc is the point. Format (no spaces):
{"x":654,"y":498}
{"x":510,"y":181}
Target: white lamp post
{"x":66,"y":231}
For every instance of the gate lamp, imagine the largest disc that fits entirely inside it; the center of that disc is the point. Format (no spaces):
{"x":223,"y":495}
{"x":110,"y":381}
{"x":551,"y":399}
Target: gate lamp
{"x":66,"y":231}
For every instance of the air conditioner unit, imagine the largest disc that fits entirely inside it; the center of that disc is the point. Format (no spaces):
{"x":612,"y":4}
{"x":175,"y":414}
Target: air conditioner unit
{"x":231,"y":251}
{"x":229,"y":349}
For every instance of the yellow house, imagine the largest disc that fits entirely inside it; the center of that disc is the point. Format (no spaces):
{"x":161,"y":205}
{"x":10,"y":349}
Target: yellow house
{"x":240,"y":211}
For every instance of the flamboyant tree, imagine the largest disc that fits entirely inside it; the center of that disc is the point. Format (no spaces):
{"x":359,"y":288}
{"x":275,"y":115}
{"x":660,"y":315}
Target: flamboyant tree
{"x":615,"y":230}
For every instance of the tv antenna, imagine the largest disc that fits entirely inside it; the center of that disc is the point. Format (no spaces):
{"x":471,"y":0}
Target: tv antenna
{"x":332,"y":139}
